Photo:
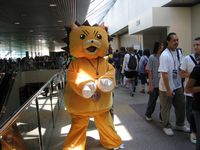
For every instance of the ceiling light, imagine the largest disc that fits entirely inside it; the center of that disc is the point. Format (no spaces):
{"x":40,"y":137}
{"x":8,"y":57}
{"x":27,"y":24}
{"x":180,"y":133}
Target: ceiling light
{"x":59,"y":21}
{"x":42,"y":41}
{"x":52,"y":5}
{"x":31,"y":30}
{"x":17,"y":23}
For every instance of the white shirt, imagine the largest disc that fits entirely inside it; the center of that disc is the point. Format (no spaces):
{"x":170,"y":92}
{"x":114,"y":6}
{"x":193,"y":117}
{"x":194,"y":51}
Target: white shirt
{"x":169,"y":62}
{"x":125,"y":62}
{"x":187,"y":65}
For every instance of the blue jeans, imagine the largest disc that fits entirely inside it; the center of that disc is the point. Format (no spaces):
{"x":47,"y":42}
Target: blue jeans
{"x":197,"y":122}
{"x":143,"y":78}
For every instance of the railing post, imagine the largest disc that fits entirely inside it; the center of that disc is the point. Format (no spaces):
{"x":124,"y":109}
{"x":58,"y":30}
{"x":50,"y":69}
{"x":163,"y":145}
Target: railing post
{"x":50,"y":97}
{"x":59,"y":89}
{"x":39,"y":124}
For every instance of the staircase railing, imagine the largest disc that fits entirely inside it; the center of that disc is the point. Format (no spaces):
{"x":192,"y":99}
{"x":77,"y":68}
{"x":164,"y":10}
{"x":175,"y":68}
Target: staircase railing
{"x":28,"y":127}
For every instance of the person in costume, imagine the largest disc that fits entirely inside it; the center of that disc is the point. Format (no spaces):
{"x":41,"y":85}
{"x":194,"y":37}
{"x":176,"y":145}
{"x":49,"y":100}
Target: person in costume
{"x":90,"y":82}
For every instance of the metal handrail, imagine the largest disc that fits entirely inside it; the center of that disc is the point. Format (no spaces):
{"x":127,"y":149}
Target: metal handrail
{"x":6,"y":124}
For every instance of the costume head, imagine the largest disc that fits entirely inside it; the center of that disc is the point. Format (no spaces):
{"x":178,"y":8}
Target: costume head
{"x":87,"y":41}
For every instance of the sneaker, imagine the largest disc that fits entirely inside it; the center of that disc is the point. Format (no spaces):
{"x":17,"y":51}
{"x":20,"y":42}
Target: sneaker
{"x":131,"y":94}
{"x":193,"y":138}
{"x":148,"y":118}
{"x":182,"y":128}
{"x":142,"y":91}
{"x":168,"y":131}
{"x":122,"y":146}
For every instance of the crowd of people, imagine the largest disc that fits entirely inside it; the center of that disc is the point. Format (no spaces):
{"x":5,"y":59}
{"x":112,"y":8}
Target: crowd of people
{"x":169,"y":75}
{"x":29,"y":63}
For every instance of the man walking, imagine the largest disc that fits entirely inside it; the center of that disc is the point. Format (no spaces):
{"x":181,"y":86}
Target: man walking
{"x":188,"y":63}
{"x":170,"y":89}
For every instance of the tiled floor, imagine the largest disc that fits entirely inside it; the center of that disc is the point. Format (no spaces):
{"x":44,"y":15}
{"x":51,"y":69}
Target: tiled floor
{"x":136,"y":132}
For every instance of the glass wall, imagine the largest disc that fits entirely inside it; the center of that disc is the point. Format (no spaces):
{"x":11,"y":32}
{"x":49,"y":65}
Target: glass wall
{"x":9,"y":49}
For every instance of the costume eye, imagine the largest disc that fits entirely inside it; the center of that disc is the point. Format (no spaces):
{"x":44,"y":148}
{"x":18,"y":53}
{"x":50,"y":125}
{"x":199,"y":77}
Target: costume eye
{"x":82,"y":36}
{"x":99,"y":36}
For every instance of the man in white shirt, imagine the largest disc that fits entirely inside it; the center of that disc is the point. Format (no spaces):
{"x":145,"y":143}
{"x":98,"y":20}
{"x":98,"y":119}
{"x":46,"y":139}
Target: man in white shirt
{"x":170,"y":87}
{"x":188,"y":63}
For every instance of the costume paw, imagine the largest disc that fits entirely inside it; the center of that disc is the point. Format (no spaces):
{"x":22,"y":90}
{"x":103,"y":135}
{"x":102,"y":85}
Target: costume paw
{"x":122,"y":146}
{"x":105,"y":84}
{"x":89,"y":89}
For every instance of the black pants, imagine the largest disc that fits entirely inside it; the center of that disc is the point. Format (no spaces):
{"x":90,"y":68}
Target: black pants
{"x":153,"y":96}
{"x":189,"y":115}
{"x":196,"y":115}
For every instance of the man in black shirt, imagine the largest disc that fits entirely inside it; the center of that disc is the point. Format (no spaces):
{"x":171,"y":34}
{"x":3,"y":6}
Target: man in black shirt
{"x":193,"y":86}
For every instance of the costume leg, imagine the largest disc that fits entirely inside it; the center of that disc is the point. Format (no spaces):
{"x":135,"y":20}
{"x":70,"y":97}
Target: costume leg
{"x":108,"y":136}
{"x":76,"y":137}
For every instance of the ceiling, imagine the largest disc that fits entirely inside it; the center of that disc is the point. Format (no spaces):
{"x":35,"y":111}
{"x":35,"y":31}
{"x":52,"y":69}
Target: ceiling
{"x":182,"y":3}
{"x":27,"y":21}
{"x":98,"y":9}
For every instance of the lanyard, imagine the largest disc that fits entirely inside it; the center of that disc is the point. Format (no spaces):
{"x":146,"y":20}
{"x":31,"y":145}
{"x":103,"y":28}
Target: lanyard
{"x":95,"y":68}
{"x":174,"y":60}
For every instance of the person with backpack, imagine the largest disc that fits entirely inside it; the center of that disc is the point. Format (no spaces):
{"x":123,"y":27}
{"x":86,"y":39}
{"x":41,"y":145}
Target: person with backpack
{"x":142,"y":68}
{"x":130,"y":68}
{"x":188,"y":63}
{"x":193,"y":86}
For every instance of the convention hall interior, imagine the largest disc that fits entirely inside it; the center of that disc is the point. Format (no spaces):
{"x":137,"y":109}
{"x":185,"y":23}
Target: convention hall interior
{"x":34,"y":62}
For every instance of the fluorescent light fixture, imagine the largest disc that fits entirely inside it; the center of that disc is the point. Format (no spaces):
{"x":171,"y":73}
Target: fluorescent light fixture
{"x":31,"y":30}
{"x":52,"y":5}
{"x":16,"y":23}
{"x":43,"y":41}
{"x":59,"y":21}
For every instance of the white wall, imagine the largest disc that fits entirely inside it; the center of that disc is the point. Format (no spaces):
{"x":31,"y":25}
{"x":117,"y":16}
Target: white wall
{"x":115,"y":43}
{"x":195,"y":17}
{"x":127,"y":40}
{"x":141,"y":22}
{"x":137,"y":7}
{"x":180,"y":23}
{"x":178,"y":19}
{"x":124,"y":11}
{"x":175,"y":19}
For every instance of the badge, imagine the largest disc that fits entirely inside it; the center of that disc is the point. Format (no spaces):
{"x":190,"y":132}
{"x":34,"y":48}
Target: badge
{"x":175,"y":73}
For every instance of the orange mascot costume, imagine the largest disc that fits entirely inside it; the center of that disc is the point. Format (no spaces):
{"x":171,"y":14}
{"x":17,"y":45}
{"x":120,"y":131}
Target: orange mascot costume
{"x":90,"y":81}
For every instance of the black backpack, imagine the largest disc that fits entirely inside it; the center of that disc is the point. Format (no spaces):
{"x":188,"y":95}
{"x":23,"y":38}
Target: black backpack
{"x":132,"y":63}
